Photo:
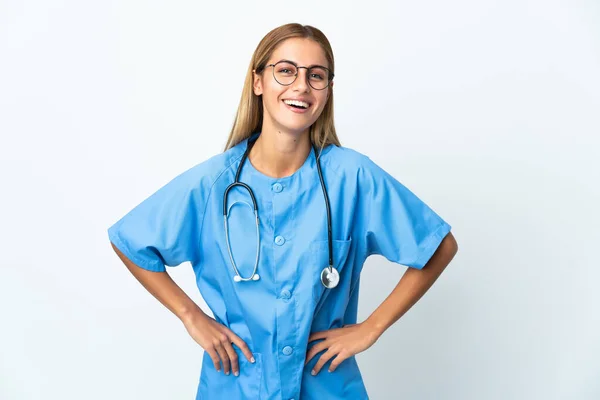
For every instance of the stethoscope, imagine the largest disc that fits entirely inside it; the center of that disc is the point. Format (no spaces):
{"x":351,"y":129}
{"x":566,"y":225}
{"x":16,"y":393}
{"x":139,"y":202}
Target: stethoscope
{"x":329,"y":276}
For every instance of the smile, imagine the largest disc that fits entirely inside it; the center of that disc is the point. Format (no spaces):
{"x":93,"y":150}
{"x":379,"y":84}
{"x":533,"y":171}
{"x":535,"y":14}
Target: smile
{"x":297,"y":106}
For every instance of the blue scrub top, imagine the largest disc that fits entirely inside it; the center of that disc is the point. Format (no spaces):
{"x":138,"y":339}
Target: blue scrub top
{"x":372,"y":213}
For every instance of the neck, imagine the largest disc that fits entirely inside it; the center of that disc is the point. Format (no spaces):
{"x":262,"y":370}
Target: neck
{"x":279,"y":154}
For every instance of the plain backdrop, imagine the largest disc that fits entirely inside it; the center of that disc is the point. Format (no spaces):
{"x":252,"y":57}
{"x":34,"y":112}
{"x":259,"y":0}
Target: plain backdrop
{"x":489,"y":111}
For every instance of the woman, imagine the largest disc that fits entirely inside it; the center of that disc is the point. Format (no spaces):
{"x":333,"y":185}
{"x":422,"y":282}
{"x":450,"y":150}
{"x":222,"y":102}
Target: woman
{"x":282,"y":311}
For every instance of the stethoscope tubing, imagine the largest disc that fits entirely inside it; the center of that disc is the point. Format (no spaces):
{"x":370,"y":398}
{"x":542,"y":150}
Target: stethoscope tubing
{"x":237,"y":182}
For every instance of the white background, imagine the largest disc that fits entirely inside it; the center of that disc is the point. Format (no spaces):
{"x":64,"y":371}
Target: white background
{"x":489,"y":111}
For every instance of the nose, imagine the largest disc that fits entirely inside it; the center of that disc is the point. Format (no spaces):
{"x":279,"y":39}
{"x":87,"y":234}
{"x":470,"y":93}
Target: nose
{"x":301,"y":82}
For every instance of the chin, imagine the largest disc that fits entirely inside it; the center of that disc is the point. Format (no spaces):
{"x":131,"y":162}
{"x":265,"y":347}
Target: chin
{"x":296,"y":128}
{"x":293,"y":125}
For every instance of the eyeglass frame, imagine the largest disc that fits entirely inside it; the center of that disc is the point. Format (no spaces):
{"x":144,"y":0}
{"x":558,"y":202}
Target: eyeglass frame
{"x":330,"y":74}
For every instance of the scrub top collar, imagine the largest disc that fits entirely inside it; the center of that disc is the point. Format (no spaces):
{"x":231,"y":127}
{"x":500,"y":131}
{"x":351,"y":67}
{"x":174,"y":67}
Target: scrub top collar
{"x":306,"y":170}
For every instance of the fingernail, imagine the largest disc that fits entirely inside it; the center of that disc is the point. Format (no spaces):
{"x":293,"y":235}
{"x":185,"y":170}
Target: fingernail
{"x":227,"y":373}
{"x":252,"y":359}
{"x":236,"y":373}
{"x":313,"y":372}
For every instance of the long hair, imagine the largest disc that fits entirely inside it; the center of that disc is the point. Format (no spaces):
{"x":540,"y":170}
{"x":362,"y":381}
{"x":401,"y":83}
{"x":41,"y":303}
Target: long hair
{"x":249,"y":116}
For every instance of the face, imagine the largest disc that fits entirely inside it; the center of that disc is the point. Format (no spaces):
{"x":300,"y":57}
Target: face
{"x":278,"y":114}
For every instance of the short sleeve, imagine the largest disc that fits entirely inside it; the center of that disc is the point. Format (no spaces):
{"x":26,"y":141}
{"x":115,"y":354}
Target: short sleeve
{"x":397,"y":224}
{"x":164,"y":229}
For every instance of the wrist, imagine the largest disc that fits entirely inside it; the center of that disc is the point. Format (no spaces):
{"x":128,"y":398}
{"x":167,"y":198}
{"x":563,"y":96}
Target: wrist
{"x":191,"y":315}
{"x":375,"y":327}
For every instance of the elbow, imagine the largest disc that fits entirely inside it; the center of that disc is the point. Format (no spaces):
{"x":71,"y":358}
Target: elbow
{"x":450,"y":245}
{"x":115,"y":249}
{"x":119,"y":252}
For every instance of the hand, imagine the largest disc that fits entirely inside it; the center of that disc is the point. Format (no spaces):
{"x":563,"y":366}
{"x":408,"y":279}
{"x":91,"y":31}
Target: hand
{"x":342,"y":343}
{"x":216,"y":340}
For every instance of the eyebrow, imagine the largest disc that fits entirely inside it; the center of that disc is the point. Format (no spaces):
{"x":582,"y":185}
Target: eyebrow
{"x":296,"y":64}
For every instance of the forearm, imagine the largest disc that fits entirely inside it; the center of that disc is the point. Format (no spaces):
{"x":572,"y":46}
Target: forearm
{"x":411,"y":287}
{"x":163,"y":288}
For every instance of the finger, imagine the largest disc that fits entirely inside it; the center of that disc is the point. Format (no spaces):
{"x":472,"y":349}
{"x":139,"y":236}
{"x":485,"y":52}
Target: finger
{"x":224,"y":357}
{"x":322,"y":360}
{"x":215,"y":358}
{"x":337,"y":361}
{"x":233,"y":357}
{"x":317,"y":348}
{"x":317,"y":335}
{"x":242,"y":346}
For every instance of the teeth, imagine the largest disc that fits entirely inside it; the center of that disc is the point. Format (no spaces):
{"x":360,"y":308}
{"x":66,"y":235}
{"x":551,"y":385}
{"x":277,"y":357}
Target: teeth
{"x":296,"y":103}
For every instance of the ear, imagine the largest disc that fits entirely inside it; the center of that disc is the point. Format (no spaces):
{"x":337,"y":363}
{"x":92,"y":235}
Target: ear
{"x":257,"y":83}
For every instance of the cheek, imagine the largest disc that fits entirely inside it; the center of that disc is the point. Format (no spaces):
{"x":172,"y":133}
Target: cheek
{"x":322,"y":102}
{"x":271,"y":96}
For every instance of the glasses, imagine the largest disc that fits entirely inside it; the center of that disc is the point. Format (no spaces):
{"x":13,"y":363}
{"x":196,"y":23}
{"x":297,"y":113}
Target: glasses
{"x":285,"y":73}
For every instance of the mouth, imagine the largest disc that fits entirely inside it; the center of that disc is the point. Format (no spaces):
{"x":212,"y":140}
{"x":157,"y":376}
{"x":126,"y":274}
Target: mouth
{"x":297,"y":106}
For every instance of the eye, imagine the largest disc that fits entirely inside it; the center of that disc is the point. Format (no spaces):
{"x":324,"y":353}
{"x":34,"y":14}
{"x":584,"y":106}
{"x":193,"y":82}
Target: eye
{"x":318,"y":74}
{"x":286,"y":69}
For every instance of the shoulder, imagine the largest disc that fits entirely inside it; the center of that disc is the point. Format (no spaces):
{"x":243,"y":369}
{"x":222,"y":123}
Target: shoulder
{"x":348,"y":161}
{"x":203,"y":175}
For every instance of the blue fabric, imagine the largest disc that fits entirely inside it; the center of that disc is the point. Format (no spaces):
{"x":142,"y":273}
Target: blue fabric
{"x":372,"y":213}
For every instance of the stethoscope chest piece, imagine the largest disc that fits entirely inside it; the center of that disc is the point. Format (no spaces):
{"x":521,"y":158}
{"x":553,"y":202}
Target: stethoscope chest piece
{"x":330,"y":277}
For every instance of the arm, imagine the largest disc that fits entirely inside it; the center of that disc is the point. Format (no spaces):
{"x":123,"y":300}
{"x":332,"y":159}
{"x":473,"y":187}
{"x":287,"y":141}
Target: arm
{"x":164,"y":289}
{"x":352,"y":339}
{"x":214,"y":338}
{"x":412,"y":286}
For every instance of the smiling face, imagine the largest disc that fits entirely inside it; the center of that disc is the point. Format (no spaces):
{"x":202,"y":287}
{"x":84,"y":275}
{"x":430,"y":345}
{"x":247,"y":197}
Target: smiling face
{"x":279,"y":115}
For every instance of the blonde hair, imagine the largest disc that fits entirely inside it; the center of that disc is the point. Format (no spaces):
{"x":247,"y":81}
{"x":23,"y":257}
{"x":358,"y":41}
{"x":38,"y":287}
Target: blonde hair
{"x":249,"y":116}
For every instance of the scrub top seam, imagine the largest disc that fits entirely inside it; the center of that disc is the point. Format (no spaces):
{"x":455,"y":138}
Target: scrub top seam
{"x":206,"y":202}
{"x":332,"y":167}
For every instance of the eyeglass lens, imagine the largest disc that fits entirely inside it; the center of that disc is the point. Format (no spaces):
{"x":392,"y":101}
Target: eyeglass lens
{"x":285,"y":73}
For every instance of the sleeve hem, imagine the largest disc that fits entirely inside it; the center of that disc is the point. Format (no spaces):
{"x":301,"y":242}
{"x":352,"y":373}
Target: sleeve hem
{"x":114,"y":237}
{"x":431,"y":244}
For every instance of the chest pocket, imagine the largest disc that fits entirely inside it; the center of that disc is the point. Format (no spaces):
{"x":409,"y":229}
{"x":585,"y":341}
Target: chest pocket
{"x":319,"y":257}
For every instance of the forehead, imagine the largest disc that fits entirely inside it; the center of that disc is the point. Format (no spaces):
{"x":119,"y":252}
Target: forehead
{"x":300,"y":50}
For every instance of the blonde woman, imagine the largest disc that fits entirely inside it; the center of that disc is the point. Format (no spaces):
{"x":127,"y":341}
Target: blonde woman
{"x":277,"y":228}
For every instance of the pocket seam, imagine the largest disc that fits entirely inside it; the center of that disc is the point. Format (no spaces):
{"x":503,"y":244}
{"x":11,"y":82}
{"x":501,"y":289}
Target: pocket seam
{"x":324,"y":243}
